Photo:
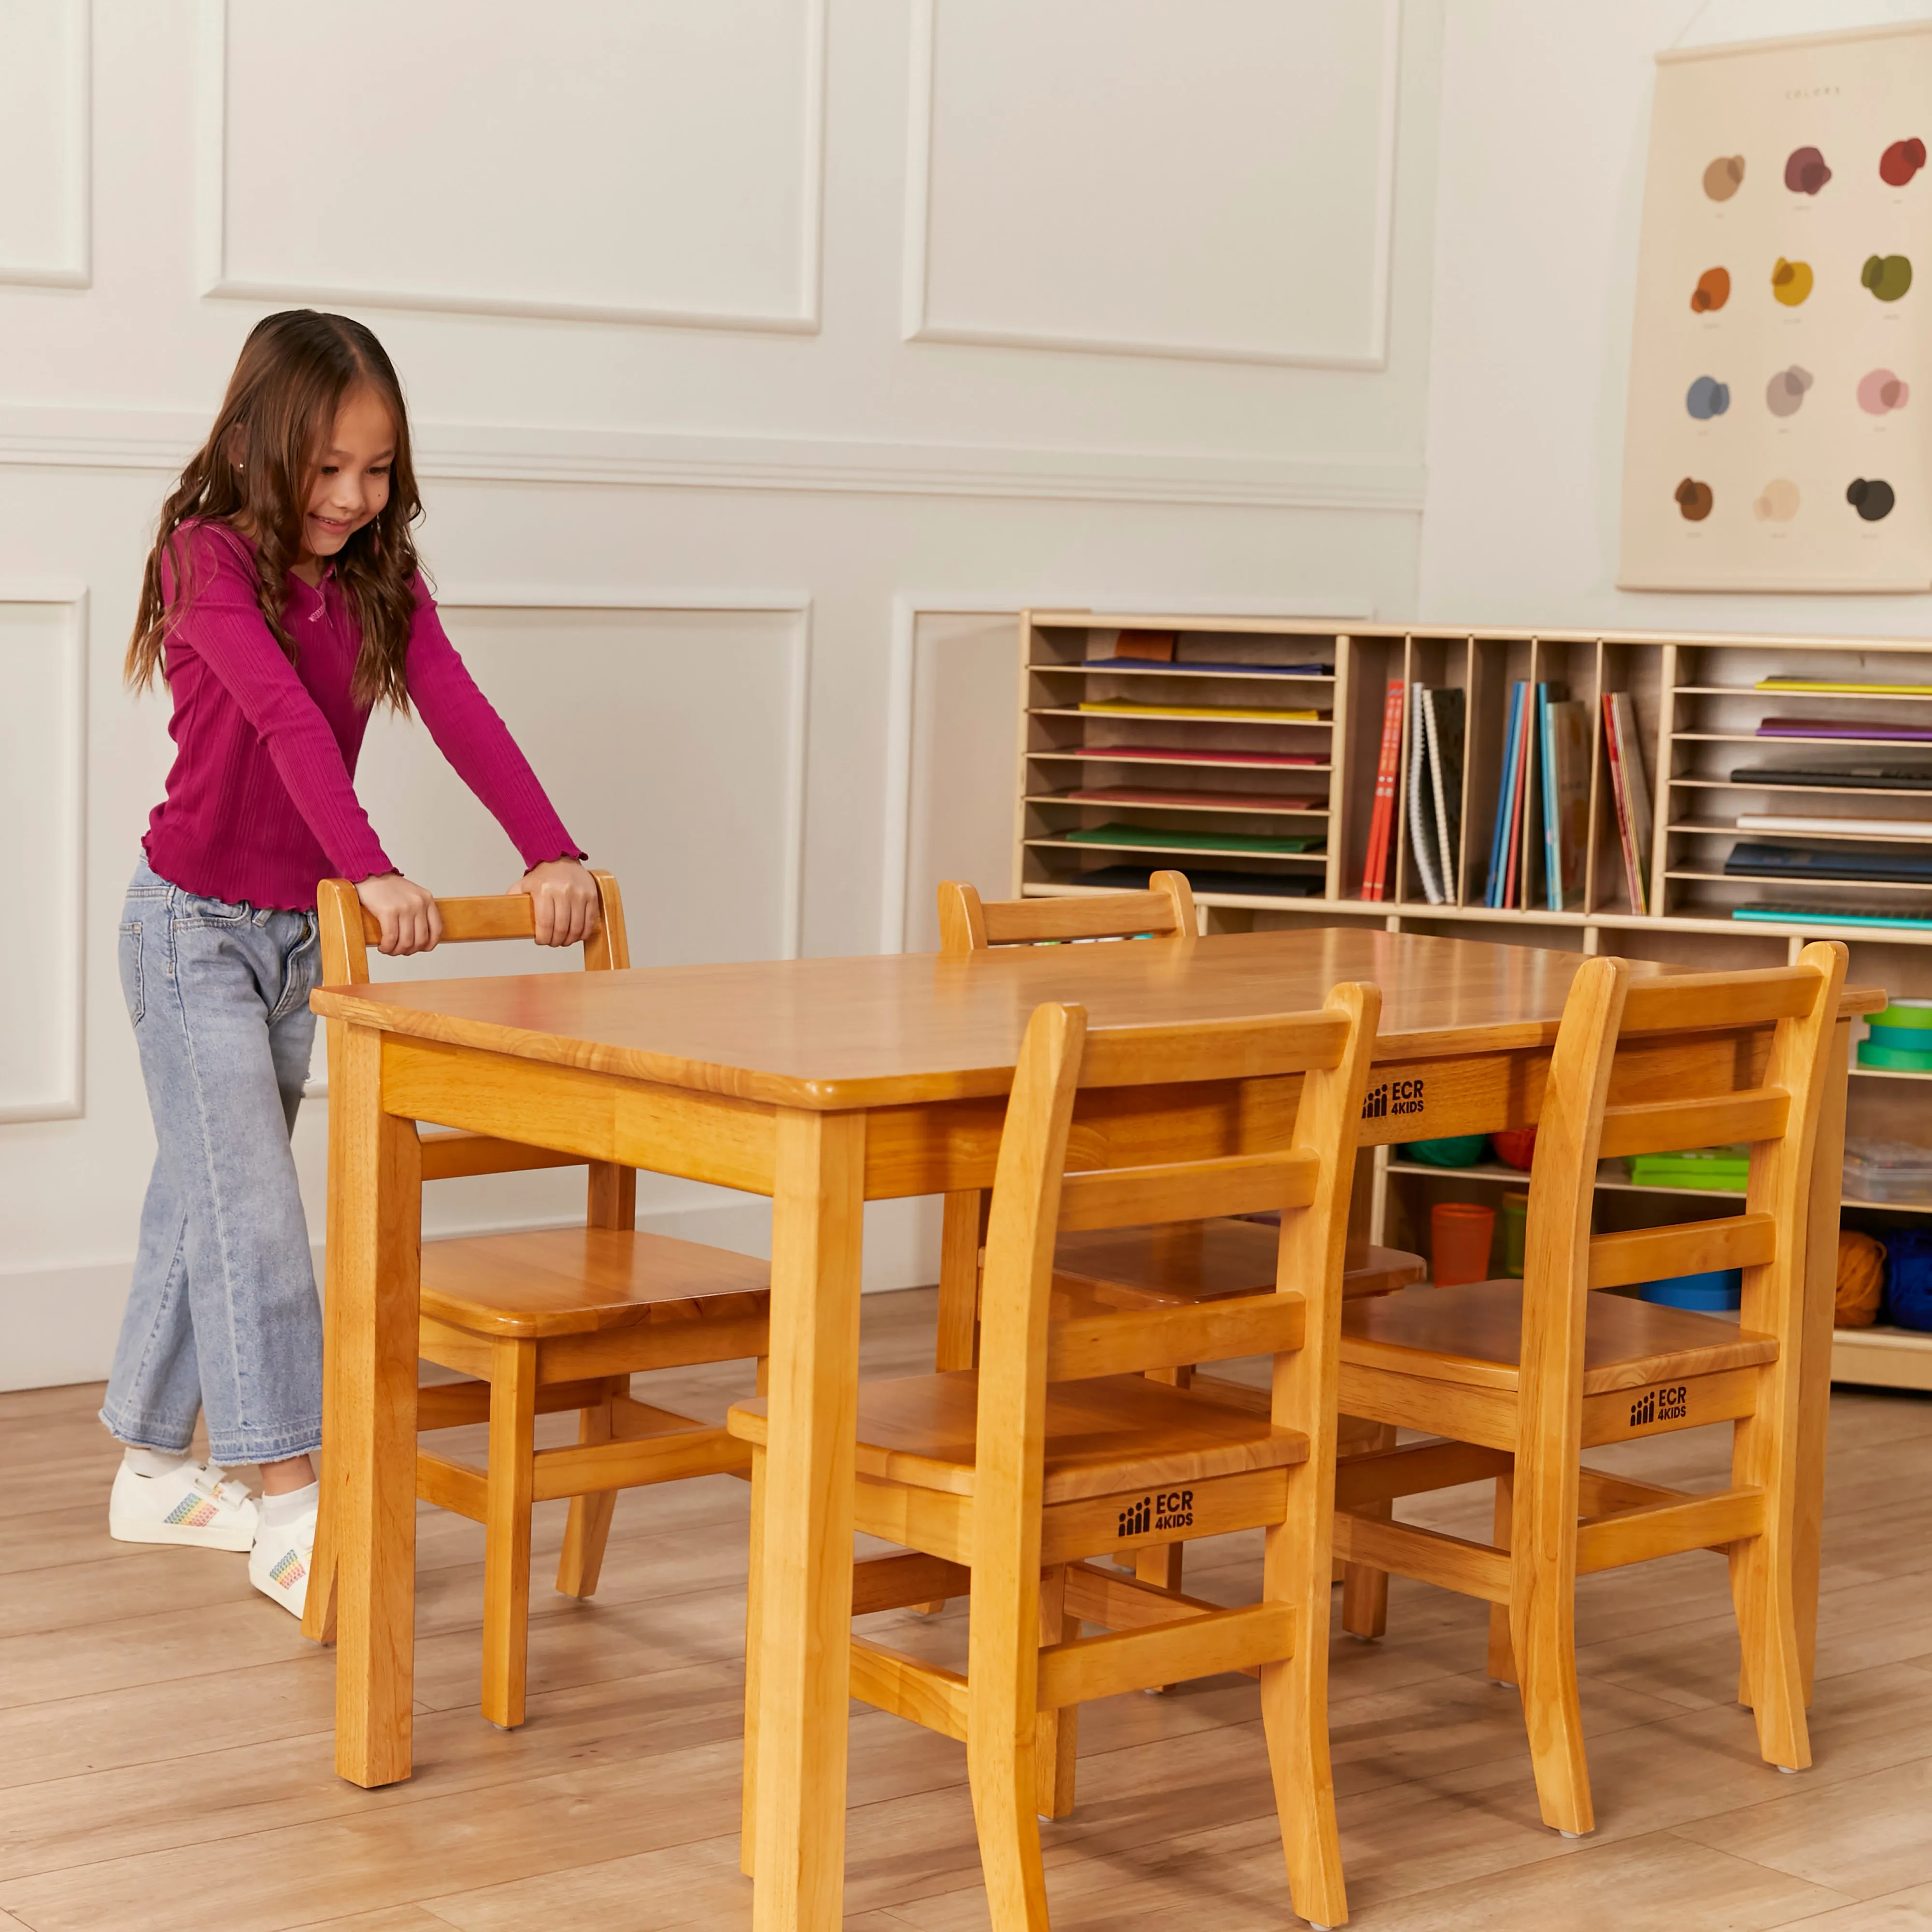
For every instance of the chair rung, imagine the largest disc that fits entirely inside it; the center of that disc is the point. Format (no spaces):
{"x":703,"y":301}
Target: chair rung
{"x":1449,"y":1562}
{"x":1384,"y":1474}
{"x":891,"y":1583}
{"x":1687,"y":1247}
{"x":456,"y":1486}
{"x":1168,"y":1653}
{"x":587,"y":1469}
{"x":632,"y":1421}
{"x":1662,"y":1127}
{"x":922,"y":1693}
{"x":1166,"y":1338}
{"x":1194,"y":1190}
{"x":1635,"y":1535}
{"x":1118,"y":1602}
{"x":450,"y":1405}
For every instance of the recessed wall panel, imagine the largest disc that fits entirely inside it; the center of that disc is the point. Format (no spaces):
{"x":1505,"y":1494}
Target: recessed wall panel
{"x":44,"y":171}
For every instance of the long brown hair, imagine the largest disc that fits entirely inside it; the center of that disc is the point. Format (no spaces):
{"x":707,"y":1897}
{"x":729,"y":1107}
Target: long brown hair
{"x":255,"y":473}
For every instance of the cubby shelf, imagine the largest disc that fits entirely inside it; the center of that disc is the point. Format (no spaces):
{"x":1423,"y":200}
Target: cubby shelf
{"x":1695,"y":697}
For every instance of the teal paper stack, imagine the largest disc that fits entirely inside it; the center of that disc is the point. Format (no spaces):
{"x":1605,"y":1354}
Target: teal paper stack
{"x":1900,"y":1040}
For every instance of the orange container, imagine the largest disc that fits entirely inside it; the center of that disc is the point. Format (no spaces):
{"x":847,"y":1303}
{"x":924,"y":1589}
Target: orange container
{"x":1460,"y":1237}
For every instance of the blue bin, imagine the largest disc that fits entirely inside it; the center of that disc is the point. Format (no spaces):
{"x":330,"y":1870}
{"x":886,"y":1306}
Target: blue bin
{"x":1711,"y":1293}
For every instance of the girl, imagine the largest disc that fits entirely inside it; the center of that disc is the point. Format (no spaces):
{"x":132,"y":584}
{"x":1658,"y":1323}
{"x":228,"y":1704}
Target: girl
{"x":280,"y":602}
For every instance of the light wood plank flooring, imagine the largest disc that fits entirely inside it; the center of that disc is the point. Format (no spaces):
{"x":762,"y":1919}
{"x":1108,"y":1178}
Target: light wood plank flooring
{"x":165,"y":1748}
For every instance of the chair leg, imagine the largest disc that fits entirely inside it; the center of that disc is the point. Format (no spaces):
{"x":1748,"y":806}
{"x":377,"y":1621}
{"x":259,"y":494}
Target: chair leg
{"x":1294,"y":1716}
{"x":1161,"y":1563}
{"x":1543,"y":1635}
{"x":1502,"y":1658}
{"x":1770,"y":1669}
{"x":1002,"y":1751}
{"x":589,"y":1527}
{"x":747,"y":1816}
{"x":506,"y":1557}
{"x":1364,"y":1589}
{"x":1056,"y":1731}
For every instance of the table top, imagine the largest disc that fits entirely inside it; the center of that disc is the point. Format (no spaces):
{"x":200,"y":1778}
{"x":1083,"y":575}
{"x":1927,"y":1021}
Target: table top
{"x":893,"y":1029}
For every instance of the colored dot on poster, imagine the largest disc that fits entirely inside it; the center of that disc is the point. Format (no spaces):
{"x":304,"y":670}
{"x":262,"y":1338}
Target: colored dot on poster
{"x":1880,"y":391}
{"x":1693,"y":500}
{"x":1707,"y":397}
{"x":1791,"y":281}
{"x":1784,"y":394}
{"x":1887,"y":276}
{"x":1871,"y":497}
{"x":1805,"y":171}
{"x":1712,"y":292}
{"x":1900,"y":162}
{"x":1779,"y":503}
{"x":1722,"y":177}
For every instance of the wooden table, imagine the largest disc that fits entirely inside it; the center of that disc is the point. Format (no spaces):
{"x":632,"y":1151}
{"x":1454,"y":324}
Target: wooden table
{"x":825,"y":1084}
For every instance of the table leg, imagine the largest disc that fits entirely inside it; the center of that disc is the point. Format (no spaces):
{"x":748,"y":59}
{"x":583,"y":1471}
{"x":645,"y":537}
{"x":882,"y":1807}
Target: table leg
{"x":369,"y":1431}
{"x":805,"y":1577}
{"x":1814,"y":1373}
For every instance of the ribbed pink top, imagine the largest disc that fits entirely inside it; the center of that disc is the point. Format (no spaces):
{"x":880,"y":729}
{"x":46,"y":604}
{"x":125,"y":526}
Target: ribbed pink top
{"x":260,"y":802}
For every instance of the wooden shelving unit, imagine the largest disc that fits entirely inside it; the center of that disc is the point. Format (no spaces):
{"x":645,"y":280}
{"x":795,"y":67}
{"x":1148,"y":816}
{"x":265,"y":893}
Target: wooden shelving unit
{"x":1226,"y":786}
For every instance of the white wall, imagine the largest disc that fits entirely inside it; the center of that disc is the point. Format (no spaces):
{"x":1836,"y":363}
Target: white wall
{"x":1545,"y":122}
{"x":750,"y":342}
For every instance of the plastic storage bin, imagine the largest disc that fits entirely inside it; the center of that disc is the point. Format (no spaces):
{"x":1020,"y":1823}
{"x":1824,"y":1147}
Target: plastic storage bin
{"x":1888,"y":1171}
{"x":1715,"y":1292}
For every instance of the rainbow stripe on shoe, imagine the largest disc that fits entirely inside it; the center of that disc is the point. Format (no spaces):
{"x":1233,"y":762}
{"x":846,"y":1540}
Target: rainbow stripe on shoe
{"x":287,"y":1570}
{"x":195,"y":1510}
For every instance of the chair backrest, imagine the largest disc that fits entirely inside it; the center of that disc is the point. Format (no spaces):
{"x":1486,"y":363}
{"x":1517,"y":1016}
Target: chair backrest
{"x":969,"y":924}
{"x":1675,"y":1047}
{"x":1033,"y":1198}
{"x":347,"y":931}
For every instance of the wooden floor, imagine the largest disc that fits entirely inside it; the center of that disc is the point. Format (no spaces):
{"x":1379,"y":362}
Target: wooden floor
{"x":165,"y":1746}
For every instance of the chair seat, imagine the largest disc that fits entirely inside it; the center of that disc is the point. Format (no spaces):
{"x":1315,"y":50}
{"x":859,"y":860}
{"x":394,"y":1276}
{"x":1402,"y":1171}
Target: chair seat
{"x":1472,"y":1334}
{"x":1202,"y":1261}
{"x":577,"y":1281}
{"x":1115,"y":1433}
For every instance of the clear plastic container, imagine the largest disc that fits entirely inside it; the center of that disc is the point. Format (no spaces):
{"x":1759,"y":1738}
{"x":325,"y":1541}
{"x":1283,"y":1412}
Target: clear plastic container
{"x":1888,"y":1171}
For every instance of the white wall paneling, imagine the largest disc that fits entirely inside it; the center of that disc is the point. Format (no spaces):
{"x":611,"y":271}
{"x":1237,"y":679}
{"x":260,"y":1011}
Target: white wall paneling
{"x":163,"y":440}
{"x":601,"y":161}
{"x":951,"y":751}
{"x":44,"y":172}
{"x":1132,"y":176}
{"x":43,"y":808}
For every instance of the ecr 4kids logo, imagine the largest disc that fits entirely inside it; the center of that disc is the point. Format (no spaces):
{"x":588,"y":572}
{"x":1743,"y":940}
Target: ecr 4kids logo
{"x":1171,"y":1509}
{"x":1392,"y":1096}
{"x":1660,"y":1404}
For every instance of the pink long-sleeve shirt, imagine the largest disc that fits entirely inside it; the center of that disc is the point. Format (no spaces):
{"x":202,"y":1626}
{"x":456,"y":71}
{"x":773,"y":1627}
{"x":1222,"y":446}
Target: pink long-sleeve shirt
{"x":261,"y":800}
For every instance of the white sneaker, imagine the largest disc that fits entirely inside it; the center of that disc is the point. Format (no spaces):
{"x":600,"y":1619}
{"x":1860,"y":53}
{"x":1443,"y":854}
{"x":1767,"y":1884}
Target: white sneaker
{"x":198,"y":1504}
{"x":279,"y":1564}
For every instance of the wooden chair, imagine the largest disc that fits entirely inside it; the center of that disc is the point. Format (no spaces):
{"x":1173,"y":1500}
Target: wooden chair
{"x":1519,"y":1378}
{"x":1058,"y":1448}
{"x":556,"y":1318}
{"x":1173,"y":1266}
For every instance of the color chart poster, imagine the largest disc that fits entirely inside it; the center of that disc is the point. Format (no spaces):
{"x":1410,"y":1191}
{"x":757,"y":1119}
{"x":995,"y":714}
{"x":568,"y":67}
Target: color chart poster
{"x":1779,"y":433}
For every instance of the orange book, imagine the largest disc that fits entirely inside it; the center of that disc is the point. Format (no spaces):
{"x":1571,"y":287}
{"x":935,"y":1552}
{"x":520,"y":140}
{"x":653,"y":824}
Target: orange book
{"x":1381,"y":818}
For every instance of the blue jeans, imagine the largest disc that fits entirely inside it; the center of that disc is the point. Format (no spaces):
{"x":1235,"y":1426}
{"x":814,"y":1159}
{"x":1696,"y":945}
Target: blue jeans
{"x":223,"y":1315}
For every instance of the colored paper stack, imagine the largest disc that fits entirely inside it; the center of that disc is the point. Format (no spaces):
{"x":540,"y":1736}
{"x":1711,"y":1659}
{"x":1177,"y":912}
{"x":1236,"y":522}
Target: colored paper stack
{"x":1900,"y":1040}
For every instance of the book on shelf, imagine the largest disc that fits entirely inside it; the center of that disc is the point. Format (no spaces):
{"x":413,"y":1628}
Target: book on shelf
{"x":1629,"y":793}
{"x":1566,"y":793}
{"x":1495,"y":892}
{"x":1256,"y":885}
{"x":1421,"y":834}
{"x":1175,"y":798}
{"x":1151,"y":836}
{"x":1844,"y":687}
{"x":1444,"y":709}
{"x":1134,"y":661}
{"x":1515,"y":882}
{"x":1812,"y":918}
{"x":1813,"y":778}
{"x":1225,"y":714}
{"x":1845,"y":730}
{"x":1860,"y":828}
{"x":1382,"y":815}
{"x":1752,"y":859}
